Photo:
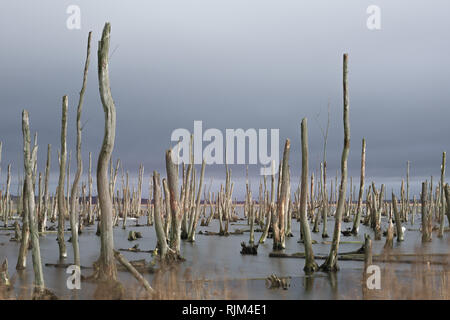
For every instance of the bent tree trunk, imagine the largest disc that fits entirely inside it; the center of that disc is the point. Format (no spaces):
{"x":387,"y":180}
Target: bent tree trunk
{"x":73,"y":195}
{"x":356,"y":223}
{"x":330,"y":263}
{"x":106,"y":265}
{"x":310,"y":264}
{"x":62,"y":173}
{"x":29,"y":160}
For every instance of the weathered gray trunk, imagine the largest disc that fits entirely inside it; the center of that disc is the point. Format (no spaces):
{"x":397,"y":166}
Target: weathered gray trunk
{"x":426,"y":232}
{"x":106,"y":266}
{"x":62,"y":173}
{"x":442,"y":198}
{"x":175,"y":210}
{"x":398,"y":221}
{"x":23,"y":250}
{"x":356,"y":223}
{"x":191,"y":236}
{"x":29,"y":161}
{"x":279,"y":234}
{"x":159,"y":225}
{"x":330,"y":263}
{"x":47,"y":207}
{"x":310,"y":264}
{"x":73,"y":195}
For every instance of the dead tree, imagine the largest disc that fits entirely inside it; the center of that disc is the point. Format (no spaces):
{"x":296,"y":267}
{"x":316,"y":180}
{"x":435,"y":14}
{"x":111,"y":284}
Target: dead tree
{"x":105,"y":264}
{"x":43,"y":221}
{"x":73,"y":195}
{"x":398,"y":221}
{"x":159,"y":225}
{"x":279,"y":234}
{"x":426,"y":216}
{"x":62,"y":173}
{"x":442,"y":198}
{"x":29,"y":161}
{"x":330,"y":263}
{"x":310,"y":264}
{"x":356,"y":223}
{"x":175,"y":210}
{"x":194,"y":220}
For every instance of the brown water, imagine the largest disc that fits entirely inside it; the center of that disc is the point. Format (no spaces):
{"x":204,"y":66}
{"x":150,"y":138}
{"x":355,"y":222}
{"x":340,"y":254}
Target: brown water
{"x":218,"y":258}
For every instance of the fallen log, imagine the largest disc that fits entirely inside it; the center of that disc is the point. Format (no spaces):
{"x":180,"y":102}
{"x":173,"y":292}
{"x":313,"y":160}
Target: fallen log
{"x":133,"y":271}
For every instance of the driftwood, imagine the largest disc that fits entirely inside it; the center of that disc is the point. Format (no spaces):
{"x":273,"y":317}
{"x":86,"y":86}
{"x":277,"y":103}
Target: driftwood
{"x":273,"y":281}
{"x":136,"y":249}
{"x":134,"y":272}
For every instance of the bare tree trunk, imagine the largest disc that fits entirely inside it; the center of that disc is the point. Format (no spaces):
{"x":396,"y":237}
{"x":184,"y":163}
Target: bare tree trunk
{"x":43,"y":222}
{"x":426,"y":235}
{"x":194,"y":220}
{"x":356,"y":223}
{"x":330,"y":263}
{"x":159,"y":226}
{"x":106,"y":266}
{"x":73,"y":195}
{"x":7,"y":197}
{"x":29,"y":160}
{"x":278,"y":223}
{"x":62,"y":172}
{"x":310,"y":264}
{"x":398,"y":221}
{"x":447,"y":199}
{"x":442,"y":196}
{"x":176,"y":213}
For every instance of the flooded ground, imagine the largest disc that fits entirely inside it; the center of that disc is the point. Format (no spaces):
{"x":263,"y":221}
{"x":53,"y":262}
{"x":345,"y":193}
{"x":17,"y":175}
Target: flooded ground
{"x":218,"y":260}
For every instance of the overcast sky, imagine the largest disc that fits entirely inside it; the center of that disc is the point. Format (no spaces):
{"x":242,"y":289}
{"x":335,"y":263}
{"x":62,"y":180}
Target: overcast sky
{"x":234,"y":64}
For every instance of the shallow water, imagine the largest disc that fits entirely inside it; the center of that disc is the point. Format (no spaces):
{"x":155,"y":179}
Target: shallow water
{"x":218,"y":258}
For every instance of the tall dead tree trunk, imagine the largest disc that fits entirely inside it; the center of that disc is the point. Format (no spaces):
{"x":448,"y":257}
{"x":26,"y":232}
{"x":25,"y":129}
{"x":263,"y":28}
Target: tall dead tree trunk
{"x":194,"y":220}
{"x":356,"y":223}
{"x":426,"y":214}
{"x":62,"y":173}
{"x":398,"y":221}
{"x":330,"y":263}
{"x":159,"y":225}
{"x":106,"y":265}
{"x":175,"y":210}
{"x":29,"y":160}
{"x":73,"y":195}
{"x":442,"y":198}
{"x":279,"y":221}
{"x":43,"y":222}
{"x":310,"y":264}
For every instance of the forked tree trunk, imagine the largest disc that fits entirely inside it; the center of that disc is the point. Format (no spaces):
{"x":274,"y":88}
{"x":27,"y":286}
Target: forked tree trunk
{"x":279,"y":223}
{"x":62,"y":173}
{"x":398,"y":221}
{"x":310,"y":264}
{"x":29,"y":160}
{"x":356,"y":223}
{"x":73,"y":195}
{"x":106,"y":265}
{"x":330,"y":263}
